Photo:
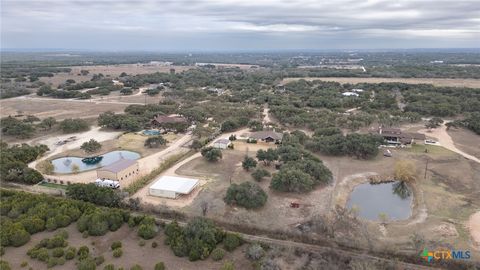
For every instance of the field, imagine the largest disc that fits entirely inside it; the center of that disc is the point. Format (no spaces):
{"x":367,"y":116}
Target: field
{"x":472,"y":83}
{"x":109,"y":71}
{"x":443,"y":202}
{"x":466,"y":141}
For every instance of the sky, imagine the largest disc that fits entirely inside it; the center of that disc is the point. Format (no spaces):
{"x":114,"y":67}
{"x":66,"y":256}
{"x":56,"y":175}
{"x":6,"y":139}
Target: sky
{"x":210,"y":25}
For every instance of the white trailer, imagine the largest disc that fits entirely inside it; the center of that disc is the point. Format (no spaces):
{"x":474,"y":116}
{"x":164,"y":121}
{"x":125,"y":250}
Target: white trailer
{"x":107,"y":183}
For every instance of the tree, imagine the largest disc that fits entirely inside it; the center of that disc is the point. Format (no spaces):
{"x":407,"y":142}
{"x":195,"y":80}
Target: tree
{"x":255,"y":125}
{"x":211,"y":154}
{"x":94,"y":194}
{"x":249,"y":163}
{"x":232,"y":241}
{"x":228,"y":265}
{"x":91,"y":146}
{"x":126,"y":91}
{"x":75,"y":168}
{"x":434,"y":122}
{"x":267,"y":156}
{"x":405,"y":171}
{"x":196,"y":145}
{"x":159,"y":266}
{"x":259,"y":174}
{"x":73,"y":125}
{"x":155,"y":142}
{"x":246,"y":194}
{"x":48,"y":123}
{"x":292,"y":180}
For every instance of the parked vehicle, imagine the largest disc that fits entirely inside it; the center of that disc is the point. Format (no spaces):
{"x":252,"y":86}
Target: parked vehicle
{"x":107,"y":183}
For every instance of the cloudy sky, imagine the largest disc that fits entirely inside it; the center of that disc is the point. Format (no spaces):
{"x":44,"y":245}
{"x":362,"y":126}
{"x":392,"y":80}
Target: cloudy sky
{"x":179,"y":25}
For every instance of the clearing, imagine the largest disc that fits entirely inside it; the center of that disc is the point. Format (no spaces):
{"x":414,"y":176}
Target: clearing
{"x":472,"y":83}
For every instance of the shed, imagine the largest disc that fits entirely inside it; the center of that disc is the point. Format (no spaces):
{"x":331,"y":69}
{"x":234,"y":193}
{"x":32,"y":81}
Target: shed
{"x":172,"y":186}
{"x":122,"y":169}
{"x":222,"y":143}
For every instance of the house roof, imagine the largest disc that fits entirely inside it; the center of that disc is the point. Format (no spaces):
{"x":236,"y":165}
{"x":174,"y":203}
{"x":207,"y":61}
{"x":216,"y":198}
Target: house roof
{"x":118,"y":166}
{"x":168,"y":119}
{"x":223,"y":141}
{"x":180,"y":185}
{"x":262,"y":135}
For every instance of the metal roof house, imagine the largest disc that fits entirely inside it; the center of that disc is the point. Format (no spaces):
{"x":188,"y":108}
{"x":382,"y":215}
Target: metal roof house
{"x":123,"y":169}
{"x":172,"y":186}
{"x":267,"y":136}
{"x":397,"y":136}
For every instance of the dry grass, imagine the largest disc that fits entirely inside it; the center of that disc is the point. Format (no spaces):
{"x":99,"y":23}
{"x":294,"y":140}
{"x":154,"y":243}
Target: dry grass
{"x":472,"y":83}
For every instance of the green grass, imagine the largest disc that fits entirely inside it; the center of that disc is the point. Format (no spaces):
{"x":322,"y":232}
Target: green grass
{"x":52,"y":185}
{"x":432,"y":149}
{"x":143,"y":181}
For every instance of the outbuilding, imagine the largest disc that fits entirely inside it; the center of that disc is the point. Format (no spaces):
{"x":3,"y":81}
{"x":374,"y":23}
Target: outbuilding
{"x":222,"y":143}
{"x":123,"y":169}
{"x":172,"y":186}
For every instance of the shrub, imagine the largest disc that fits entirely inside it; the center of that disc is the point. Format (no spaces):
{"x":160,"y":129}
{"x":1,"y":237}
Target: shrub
{"x":58,"y":252}
{"x":99,"y":260}
{"x":87,"y":264}
{"x":70,"y":253}
{"x":23,"y":264}
{"x":55,"y":242}
{"x":18,"y":235}
{"x":247,"y":194}
{"x":231,"y":241}
{"x":136,"y":267}
{"x":83,"y":252}
{"x":159,"y":266}
{"x":259,"y":174}
{"x":211,"y":154}
{"x":117,"y":253}
{"x":228,"y":265}
{"x":62,"y":233}
{"x":4,"y":265}
{"x":85,"y":234}
{"x":109,"y":267}
{"x":154,"y":244}
{"x":255,"y":252}
{"x":249,"y":163}
{"x":148,"y":228}
{"x":60,"y":261}
{"x":141,"y":243}
{"x":115,"y":245}
{"x":51,"y":262}
{"x":217,"y":254}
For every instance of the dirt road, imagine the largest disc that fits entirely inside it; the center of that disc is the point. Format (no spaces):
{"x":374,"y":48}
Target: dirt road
{"x":446,"y":141}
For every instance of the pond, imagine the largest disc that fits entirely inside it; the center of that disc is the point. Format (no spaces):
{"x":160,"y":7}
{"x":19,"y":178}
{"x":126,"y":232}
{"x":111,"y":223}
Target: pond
{"x":393,"y":199}
{"x":151,"y":132}
{"x":64,"y":165}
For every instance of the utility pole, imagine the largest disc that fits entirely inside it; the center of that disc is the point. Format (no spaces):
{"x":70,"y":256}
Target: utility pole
{"x":426,"y":167}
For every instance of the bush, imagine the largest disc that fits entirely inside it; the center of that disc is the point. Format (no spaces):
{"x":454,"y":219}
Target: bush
{"x":18,"y":235}
{"x":136,"y":267}
{"x":115,"y":245}
{"x":247,"y":194}
{"x":109,"y":267}
{"x":141,"y":243}
{"x":58,"y":252}
{"x":249,"y":163}
{"x":217,"y":254}
{"x":70,"y":253}
{"x":232,"y":241}
{"x":154,"y":244}
{"x":155,"y":142}
{"x":87,"y":264}
{"x":255,"y":252}
{"x":51,"y":262}
{"x":117,"y":253}
{"x":159,"y":266}
{"x":4,"y":265}
{"x":23,"y":264}
{"x":228,"y":265}
{"x":83,"y":252}
{"x":99,"y":260}
{"x":259,"y":174}
{"x":148,"y":228}
{"x":73,"y":125}
{"x":211,"y":154}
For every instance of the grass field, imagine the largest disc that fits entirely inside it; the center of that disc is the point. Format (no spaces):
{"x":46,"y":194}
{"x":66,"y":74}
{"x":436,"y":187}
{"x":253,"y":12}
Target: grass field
{"x":472,"y":83}
{"x":52,"y":185}
{"x":431,"y":149}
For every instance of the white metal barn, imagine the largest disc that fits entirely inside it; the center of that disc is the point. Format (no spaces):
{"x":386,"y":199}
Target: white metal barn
{"x":172,"y":186}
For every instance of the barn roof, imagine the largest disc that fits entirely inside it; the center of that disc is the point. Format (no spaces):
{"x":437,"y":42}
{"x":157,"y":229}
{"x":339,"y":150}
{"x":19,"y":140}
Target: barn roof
{"x":180,"y":185}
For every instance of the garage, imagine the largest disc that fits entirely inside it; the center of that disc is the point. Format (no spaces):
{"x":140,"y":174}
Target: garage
{"x":172,"y":186}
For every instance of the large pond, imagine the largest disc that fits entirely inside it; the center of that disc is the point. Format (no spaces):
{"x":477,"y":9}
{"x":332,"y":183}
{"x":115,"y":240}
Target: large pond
{"x":393,"y":199}
{"x":64,"y":165}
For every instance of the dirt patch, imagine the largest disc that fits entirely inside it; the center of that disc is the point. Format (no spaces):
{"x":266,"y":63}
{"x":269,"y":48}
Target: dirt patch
{"x":473,"y":83}
{"x":466,"y":140}
{"x":474,"y":226}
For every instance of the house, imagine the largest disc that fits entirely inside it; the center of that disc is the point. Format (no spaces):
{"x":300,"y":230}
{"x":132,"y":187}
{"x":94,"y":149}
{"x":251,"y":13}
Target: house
{"x":123,"y":169}
{"x":222,"y":143}
{"x":398,"y":137}
{"x":267,"y":136}
{"x":172,"y":187}
{"x":174,"y":123}
{"x":350,"y":94}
